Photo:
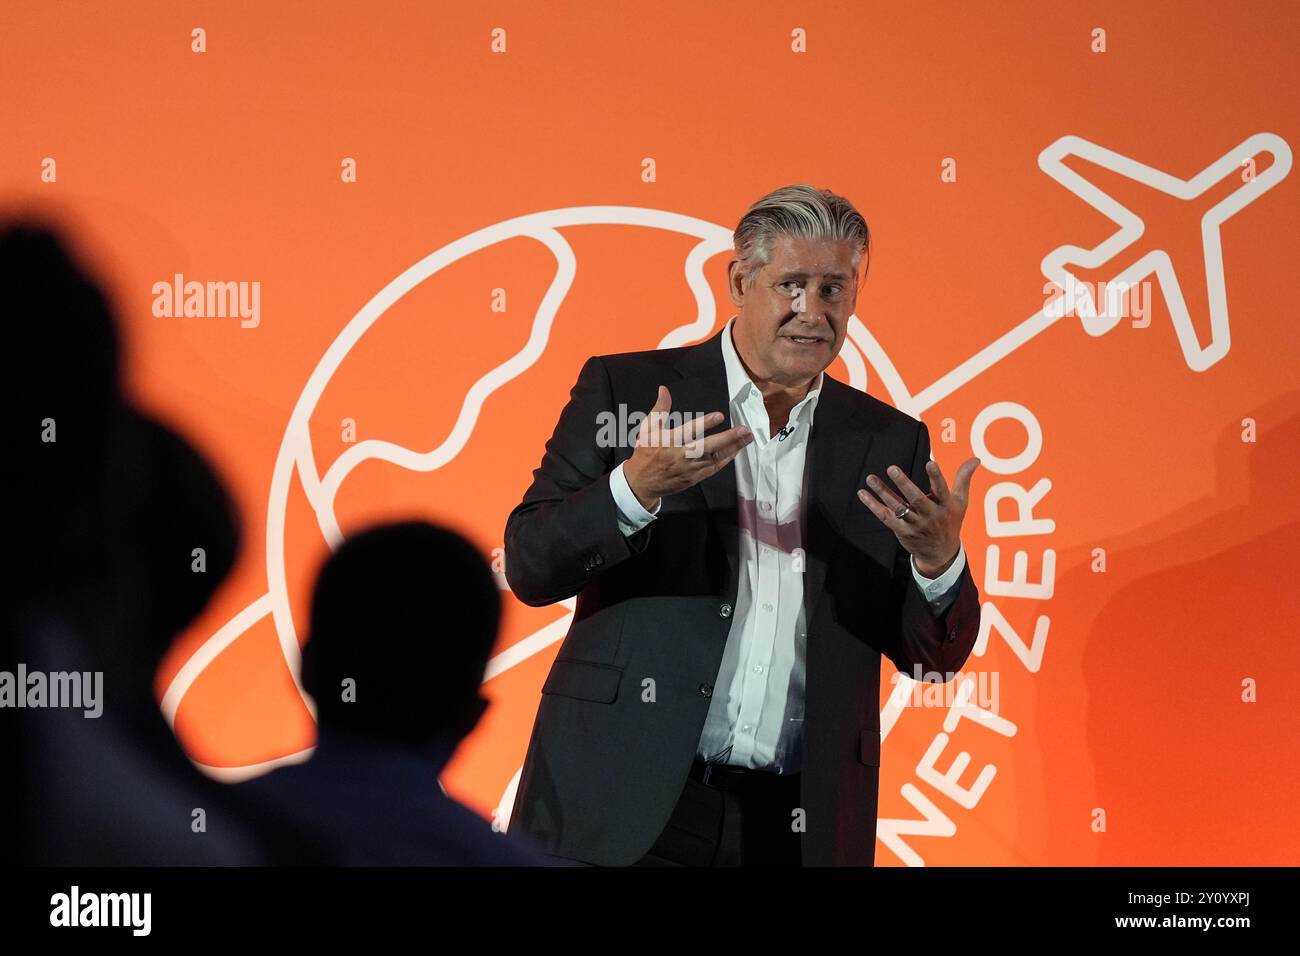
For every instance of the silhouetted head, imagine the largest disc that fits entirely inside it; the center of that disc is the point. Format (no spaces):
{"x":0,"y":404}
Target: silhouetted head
{"x":403,"y":620}
{"x":60,"y":388}
{"x":107,"y":506}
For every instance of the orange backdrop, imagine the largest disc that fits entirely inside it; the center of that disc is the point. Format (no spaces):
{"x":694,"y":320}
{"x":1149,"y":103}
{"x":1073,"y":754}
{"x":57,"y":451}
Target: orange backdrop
{"x":536,"y":183}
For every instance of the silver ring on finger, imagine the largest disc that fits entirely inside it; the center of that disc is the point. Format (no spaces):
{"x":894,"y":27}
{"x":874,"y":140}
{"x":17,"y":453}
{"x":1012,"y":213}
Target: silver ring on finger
{"x":901,"y":513}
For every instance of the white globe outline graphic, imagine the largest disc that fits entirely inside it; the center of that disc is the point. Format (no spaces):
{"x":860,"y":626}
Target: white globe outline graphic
{"x":859,"y":349}
{"x":296,"y":455}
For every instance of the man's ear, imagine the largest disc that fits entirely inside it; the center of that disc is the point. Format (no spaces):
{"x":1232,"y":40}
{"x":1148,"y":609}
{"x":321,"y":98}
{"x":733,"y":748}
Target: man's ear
{"x":857,"y":287}
{"x":735,"y":282}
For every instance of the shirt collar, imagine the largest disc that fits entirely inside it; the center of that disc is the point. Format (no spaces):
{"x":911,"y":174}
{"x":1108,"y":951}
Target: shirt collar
{"x":739,"y":382}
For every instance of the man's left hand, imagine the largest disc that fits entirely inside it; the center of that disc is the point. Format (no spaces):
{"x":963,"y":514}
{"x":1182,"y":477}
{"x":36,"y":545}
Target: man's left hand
{"x":931,"y":528}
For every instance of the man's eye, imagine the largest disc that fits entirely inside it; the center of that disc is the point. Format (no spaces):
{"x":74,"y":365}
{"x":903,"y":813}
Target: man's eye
{"x":834,"y":290}
{"x":790,"y":282}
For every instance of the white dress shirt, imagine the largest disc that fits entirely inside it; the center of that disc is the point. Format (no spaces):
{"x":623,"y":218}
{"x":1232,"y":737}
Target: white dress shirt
{"x":756,"y":712}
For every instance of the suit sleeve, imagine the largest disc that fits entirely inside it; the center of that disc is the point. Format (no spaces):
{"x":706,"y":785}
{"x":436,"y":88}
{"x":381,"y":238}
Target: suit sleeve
{"x":565,"y":531}
{"x":934,"y":642}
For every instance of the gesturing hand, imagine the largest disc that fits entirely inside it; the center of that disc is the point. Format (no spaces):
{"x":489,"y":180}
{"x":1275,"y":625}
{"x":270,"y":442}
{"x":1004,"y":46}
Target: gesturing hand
{"x":930,"y":529}
{"x":669,"y":460}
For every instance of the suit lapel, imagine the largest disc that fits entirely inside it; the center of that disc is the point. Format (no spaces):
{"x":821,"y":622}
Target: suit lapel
{"x":834,"y":469}
{"x":703,"y":389}
{"x":834,"y":465}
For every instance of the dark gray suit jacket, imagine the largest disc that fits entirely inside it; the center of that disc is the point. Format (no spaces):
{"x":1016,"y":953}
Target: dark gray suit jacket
{"x":604,"y":766}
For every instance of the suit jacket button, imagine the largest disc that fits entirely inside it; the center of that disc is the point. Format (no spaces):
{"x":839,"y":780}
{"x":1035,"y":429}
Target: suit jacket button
{"x":706,"y":690}
{"x":952,"y":635}
{"x":597,"y":559}
{"x":724,"y":611}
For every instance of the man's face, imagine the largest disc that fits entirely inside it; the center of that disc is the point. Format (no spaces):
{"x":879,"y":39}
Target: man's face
{"x":807,"y":290}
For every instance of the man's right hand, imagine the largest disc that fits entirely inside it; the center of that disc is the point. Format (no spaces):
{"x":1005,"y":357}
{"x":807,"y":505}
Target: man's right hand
{"x":668,"y":460}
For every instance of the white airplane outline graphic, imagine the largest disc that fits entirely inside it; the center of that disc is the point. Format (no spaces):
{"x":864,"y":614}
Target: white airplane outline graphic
{"x":1157,"y":261}
{"x":1055,"y":264}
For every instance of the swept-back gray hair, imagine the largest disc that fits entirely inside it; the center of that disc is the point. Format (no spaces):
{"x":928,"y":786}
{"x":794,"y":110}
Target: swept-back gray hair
{"x":798,"y":210}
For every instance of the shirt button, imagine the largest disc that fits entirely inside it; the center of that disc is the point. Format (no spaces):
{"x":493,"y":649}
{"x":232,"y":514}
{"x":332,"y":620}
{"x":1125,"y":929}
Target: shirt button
{"x":745,"y":728}
{"x":767,"y":607}
{"x":706,"y":690}
{"x":766,"y":506}
{"x":758,"y":668}
{"x":724,"y":611}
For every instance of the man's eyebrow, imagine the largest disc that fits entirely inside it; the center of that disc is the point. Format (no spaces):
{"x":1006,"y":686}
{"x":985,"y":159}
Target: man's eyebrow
{"x":784,"y":276}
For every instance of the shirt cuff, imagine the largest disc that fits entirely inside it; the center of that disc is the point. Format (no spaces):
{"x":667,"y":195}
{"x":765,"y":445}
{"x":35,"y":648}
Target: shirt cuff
{"x":632,"y":517}
{"x":941,"y":591}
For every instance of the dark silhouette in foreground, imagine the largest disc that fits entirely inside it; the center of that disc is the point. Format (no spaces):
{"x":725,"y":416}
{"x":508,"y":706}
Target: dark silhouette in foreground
{"x":106,"y":508}
{"x":403,"y":620}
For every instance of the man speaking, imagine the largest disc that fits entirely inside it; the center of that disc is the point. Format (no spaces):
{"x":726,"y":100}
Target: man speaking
{"x":716,"y":699}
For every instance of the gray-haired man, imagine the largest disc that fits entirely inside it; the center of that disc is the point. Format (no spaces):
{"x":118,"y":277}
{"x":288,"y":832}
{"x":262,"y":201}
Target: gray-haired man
{"x":716,"y":700}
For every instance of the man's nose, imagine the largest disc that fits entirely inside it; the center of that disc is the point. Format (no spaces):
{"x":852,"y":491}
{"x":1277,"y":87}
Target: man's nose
{"x":812,"y":307}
